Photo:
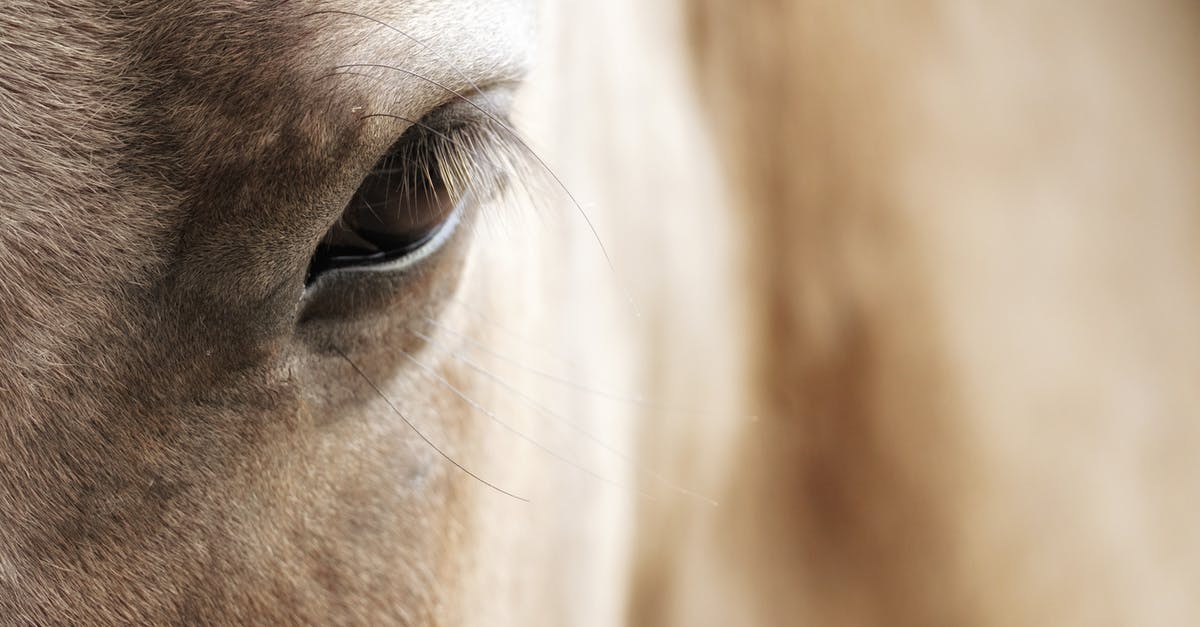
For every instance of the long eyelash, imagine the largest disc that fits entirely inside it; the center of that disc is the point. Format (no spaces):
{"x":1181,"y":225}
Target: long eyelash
{"x":469,"y":155}
{"x":508,"y":133}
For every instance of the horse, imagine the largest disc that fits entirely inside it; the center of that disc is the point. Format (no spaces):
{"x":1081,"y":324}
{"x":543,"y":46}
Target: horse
{"x":458,"y":313}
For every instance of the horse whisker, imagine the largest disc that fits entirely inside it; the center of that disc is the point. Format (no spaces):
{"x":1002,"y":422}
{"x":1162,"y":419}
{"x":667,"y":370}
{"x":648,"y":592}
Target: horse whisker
{"x":474,"y":312}
{"x":421,"y":435}
{"x":617,"y":398}
{"x":532,"y":402}
{"x":507,"y":427}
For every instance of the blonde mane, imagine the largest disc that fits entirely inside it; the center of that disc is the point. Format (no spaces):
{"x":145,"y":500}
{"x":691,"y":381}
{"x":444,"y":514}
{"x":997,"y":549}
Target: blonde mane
{"x":971,"y":263}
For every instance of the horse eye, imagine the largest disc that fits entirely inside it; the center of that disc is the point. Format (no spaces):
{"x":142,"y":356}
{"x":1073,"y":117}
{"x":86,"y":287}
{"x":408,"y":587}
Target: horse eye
{"x":402,"y":211}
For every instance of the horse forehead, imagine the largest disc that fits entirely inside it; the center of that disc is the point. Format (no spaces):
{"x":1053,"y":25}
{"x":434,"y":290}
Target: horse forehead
{"x":231,"y":78}
{"x":235,"y":42}
{"x":223,"y":67}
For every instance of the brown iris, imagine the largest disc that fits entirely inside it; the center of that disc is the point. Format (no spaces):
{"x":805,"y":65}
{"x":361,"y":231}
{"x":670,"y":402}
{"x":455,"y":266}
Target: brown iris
{"x":398,"y":208}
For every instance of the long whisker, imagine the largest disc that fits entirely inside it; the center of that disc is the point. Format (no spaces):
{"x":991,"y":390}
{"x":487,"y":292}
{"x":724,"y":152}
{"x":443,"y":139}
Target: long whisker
{"x":532,"y":370}
{"x":479,"y":315}
{"x":617,"y":398}
{"x":421,"y":435}
{"x":532,"y":402}
{"x":513,"y":430}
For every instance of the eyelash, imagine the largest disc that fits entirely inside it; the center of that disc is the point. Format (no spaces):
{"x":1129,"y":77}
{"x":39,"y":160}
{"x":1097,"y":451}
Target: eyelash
{"x":484,"y":165}
{"x":453,"y":158}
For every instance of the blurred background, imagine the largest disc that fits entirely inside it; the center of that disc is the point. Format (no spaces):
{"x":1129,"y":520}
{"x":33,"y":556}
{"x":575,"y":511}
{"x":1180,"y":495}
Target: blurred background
{"x":938,"y":265}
